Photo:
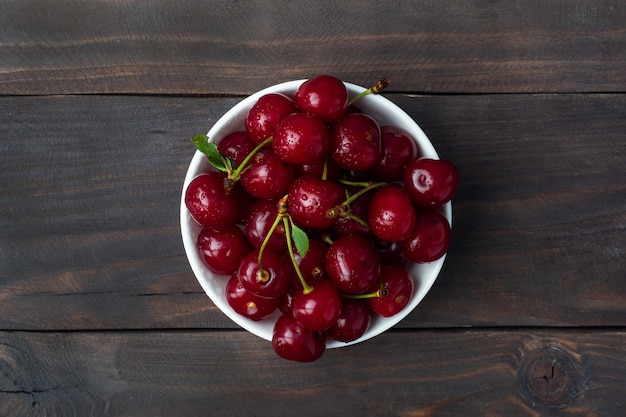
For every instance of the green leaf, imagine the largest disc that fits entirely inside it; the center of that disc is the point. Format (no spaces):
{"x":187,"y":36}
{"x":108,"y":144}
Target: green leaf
{"x":210,"y":150}
{"x":300,"y":239}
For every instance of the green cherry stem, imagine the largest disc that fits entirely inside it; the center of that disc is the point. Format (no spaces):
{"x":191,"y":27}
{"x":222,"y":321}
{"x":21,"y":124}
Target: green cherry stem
{"x":376,"y":89}
{"x":306,"y":287}
{"x":383,"y":292}
{"x":267,"y":238}
{"x":343,"y":209}
{"x":362,"y":191}
{"x":233,"y":176}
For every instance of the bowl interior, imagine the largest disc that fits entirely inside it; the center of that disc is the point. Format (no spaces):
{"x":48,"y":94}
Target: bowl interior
{"x":385,"y":113}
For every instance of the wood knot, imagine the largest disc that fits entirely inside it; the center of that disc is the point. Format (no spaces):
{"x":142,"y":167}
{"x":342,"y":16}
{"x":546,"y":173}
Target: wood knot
{"x":549,"y":377}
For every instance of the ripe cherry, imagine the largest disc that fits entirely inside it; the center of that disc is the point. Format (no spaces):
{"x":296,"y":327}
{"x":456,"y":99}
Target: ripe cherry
{"x":266,"y":114}
{"x":352,"y":264}
{"x":391,"y":214}
{"x":223,"y":249}
{"x":236,"y":146}
{"x":310,"y":200}
{"x":293,"y":342}
{"x":312,"y":265}
{"x":271,"y":280}
{"x":267,"y":176}
{"x":398,"y":149}
{"x":431,"y":182}
{"x":430,"y":239}
{"x":258,"y":223}
{"x":208,"y":202}
{"x":398,"y":286}
{"x":355,"y":142}
{"x":246,"y":303}
{"x":323,"y":96}
{"x":353,"y":322}
{"x":301,"y":139}
{"x":318,"y":309}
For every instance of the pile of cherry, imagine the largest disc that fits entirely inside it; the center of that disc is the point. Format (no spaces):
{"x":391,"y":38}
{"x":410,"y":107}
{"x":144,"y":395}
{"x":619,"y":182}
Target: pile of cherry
{"x":315,"y":210}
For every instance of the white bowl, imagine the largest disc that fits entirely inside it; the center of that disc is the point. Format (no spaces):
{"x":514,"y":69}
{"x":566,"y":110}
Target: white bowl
{"x":385,"y":113}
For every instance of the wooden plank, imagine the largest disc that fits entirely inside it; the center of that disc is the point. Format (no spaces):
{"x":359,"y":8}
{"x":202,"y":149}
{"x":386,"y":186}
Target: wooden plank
{"x":183,"y":47}
{"x":89,"y":235}
{"x":408,"y":374}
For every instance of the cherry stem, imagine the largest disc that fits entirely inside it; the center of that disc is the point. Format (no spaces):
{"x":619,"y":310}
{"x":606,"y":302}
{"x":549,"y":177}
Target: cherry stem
{"x":267,"y":238}
{"x":368,"y":186}
{"x":356,"y":219}
{"x":306,"y":287}
{"x":237,"y":172}
{"x":325,"y":170}
{"x":376,"y":89}
{"x":383,"y":292}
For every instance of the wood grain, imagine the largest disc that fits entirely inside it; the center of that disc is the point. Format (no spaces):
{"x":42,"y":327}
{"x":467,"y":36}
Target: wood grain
{"x":404,"y":374}
{"x":187,"y":47}
{"x":89,"y":235}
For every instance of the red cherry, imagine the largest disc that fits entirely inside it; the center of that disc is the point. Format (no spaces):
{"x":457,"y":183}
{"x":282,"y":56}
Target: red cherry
{"x":267,"y":177}
{"x":223,"y":249}
{"x":323,"y":96}
{"x":293,"y":342}
{"x":318,"y":309}
{"x":353,"y":322}
{"x":208,"y":202}
{"x":398,"y":285}
{"x":430,"y":238}
{"x":266,"y":114}
{"x":312,"y":265}
{"x":247,"y":304}
{"x":236,"y":146}
{"x":301,"y":139}
{"x":272,"y":281}
{"x":259,"y":221}
{"x":431,"y":182}
{"x":398,"y":149}
{"x":391,"y":214}
{"x":355,"y":142}
{"x":310,"y":199}
{"x":352,"y":264}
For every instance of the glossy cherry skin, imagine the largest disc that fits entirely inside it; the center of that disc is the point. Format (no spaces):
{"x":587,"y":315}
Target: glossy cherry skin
{"x":353,"y":322}
{"x":399,"y":288}
{"x":223,"y":249}
{"x":248,"y":304}
{"x":313,"y":265}
{"x":310,"y":199}
{"x":323,"y":96}
{"x":301,"y":139}
{"x":431,"y":182}
{"x":266,"y":114}
{"x":355,"y":142}
{"x":208,"y":202}
{"x":430,"y":239}
{"x":346,"y":225}
{"x":272,"y":282}
{"x":267,"y":177}
{"x":318,"y":309}
{"x":236,"y":146}
{"x":398,"y":149}
{"x":391,"y":215}
{"x":352,"y":264}
{"x":260,"y":219}
{"x":293,"y":342}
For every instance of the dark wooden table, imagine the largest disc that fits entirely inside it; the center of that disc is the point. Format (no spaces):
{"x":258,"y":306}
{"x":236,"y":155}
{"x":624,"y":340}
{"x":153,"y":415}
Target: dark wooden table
{"x":100,"y":314}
